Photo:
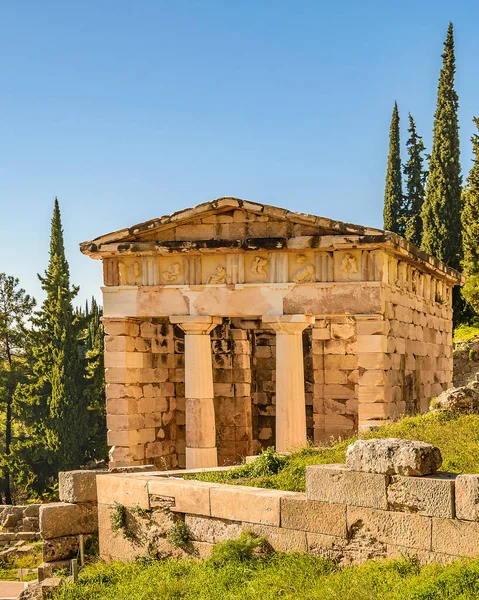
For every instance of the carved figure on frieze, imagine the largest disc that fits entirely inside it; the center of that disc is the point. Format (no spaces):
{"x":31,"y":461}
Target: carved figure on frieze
{"x":306,"y":273}
{"x":219,"y":276}
{"x":259,"y":266}
{"x":349,"y":264}
{"x":172,"y":273}
{"x":129,"y":274}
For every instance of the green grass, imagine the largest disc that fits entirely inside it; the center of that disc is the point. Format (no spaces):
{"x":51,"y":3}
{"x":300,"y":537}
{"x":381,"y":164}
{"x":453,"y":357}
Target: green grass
{"x":9,"y":566}
{"x":285,"y":576}
{"x":464,"y":333}
{"x":456,"y":436}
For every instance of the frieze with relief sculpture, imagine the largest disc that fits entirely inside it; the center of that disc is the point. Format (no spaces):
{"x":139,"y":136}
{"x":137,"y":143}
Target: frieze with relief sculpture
{"x":304,"y":274}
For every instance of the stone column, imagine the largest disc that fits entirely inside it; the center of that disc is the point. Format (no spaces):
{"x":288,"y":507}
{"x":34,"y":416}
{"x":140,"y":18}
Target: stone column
{"x":199,"y":395}
{"x":290,"y":398}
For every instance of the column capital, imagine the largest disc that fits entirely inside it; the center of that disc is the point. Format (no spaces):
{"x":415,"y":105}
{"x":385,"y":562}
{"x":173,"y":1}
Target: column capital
{"x":288,"y":324}
{"x":196,"y":324}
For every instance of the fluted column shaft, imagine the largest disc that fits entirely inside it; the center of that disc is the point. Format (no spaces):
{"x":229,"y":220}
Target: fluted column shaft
{"x":199,"y":396}
{"x":290,"y":396}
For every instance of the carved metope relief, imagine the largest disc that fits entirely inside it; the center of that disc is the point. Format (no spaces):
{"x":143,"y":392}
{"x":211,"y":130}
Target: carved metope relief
{"x":305,"y":273}
{"x":172,"y":273}
{"x":219,"y":276}
{"x":259,"y":266}
{"x":349,"y":264}
{"x":130,"y":272}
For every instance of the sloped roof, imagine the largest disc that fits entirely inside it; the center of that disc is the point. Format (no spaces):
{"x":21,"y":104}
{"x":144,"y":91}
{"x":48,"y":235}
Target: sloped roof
{"x":325,"y":227}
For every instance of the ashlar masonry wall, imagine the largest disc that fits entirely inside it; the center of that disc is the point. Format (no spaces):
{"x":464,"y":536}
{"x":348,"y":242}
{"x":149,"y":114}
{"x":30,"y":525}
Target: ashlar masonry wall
{"x":348,"y":515}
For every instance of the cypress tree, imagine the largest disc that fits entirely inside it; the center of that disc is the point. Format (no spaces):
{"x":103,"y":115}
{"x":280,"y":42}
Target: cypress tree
{"x":54,"y":394}
{"x":393,"y":197}
{"x":415,"y":181}
{"x":470,"y":228}
{"x":441,"y":212}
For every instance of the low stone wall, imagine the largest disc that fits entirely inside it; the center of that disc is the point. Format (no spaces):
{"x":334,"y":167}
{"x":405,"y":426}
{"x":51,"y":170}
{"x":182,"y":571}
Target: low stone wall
{"x":345,"y":514}
{"x":19,"y":523}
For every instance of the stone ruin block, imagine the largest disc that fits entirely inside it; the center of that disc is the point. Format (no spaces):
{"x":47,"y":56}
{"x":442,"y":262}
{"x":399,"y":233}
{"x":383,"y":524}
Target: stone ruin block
{"x":393,"y":456}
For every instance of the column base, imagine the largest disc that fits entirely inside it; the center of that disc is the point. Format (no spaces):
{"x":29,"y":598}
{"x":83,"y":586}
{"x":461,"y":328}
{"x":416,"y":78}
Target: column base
{"x":199,"y":458}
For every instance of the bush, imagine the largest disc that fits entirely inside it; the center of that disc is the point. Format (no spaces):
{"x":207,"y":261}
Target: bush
{"x":179,"y":535}
{"x":243,"y":549}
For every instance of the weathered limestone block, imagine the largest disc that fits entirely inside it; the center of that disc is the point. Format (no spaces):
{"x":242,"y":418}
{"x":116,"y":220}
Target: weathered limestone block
{"x":467,"y":497}
{"x":459,"y":538}
{"x":308,"y":515}
{"x":252,"y":505}
{"x":190,"y":496}
{"x":62,"y":548}
{"x":60,"y":519}
{"x":280,"y":540}
{"x":461,"y":399}
{"x":77,"y":486}
{"x":204,"y":529}
{"x":340,"y":485}
{"x":432,"y":495}
{"x":413,"y":531}
{"x":11,"y":515}
{"x":393,"y":456}
{"x":129,"y":491}
{"x":425,"y":557}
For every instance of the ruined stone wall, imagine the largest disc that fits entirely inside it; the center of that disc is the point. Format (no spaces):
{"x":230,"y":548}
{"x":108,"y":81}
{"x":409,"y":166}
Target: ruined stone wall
{"x":348,"y":515}
{"x":19,"y":523}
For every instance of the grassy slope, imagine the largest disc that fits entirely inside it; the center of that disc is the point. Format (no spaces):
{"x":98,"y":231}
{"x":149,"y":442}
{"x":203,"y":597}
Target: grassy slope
{"x":457,"y":437}
{"x":464,"y":333}
{"x":286,"y":576}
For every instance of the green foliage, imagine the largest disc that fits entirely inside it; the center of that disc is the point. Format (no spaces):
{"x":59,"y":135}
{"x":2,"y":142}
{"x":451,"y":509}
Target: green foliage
{"x":415,"y":181}
{"x":393,"y":196}
{"x":464,"y":333}
{"x":268,"y":577}
{"x":119,"y":521}
{"x":470,"y":212}
{"x":15,"y":311}
{"x":245,"y":548}
{"x":441,"y":212}
{"x":470,"y":291}
{"x":179,"y":534}
{"x":10,"y":565}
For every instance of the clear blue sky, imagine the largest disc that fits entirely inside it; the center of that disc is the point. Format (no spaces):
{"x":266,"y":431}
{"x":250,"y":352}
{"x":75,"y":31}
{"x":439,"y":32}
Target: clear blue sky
{"x":130,"y":110}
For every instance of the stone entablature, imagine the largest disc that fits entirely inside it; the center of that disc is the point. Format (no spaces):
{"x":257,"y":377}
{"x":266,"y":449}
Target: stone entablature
{"x":315,"y":328}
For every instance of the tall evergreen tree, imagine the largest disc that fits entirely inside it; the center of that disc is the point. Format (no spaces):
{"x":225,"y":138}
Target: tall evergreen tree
{"x":470,"y":228}
{"x":393,"y":196}
{"x":441,"y":212}
{"x":95,"y":383}
{"x":415,"y":182}
{"x":54,"y":394}
{"x":15,"y":308}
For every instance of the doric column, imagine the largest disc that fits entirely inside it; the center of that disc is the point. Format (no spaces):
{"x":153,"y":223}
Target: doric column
{"x":290,"y":399}
{"x":199,"y":396}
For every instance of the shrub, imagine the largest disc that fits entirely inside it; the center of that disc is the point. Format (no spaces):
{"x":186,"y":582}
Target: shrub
{"x":179,"y":535}
{"x":243,"y":549}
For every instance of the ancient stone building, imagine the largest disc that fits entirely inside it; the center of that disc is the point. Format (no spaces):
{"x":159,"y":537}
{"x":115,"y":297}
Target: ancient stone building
{"x":234,"y":326}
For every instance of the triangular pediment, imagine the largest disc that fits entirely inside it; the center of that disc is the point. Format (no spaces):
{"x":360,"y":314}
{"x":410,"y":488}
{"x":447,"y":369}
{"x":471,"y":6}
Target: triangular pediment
{"x":229,"y":219}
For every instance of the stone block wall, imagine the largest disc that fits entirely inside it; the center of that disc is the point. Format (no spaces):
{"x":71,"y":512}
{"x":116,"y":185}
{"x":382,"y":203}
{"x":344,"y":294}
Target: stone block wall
{"x":348,"y":515}
{"x":19,"y":523}
{"x":62,"y":523}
